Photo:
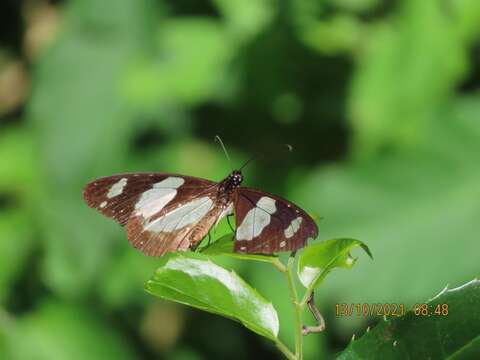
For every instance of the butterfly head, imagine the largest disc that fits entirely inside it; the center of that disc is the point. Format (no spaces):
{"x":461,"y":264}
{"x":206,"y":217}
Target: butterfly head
{"x":235,"y":178}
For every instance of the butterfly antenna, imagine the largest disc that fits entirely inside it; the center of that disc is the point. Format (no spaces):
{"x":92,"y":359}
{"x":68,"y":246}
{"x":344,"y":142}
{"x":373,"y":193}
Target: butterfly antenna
{"x":247,"y":162}
{"x":217,"y":138}
{"x":288,"y":146}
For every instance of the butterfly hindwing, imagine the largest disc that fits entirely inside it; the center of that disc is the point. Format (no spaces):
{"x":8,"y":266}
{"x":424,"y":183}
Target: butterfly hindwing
{"x":267,"y":223}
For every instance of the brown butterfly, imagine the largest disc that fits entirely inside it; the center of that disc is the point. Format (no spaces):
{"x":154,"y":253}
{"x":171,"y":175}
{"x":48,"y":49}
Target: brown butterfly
{"x":169,"y":212}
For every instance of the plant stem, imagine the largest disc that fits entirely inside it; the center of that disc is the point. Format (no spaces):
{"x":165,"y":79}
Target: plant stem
{"x":285,"y":351}
{"x":317,"y":315}
{"x":298,"y":309}
{"x":279,"y":265}
{"x":310,"y":288}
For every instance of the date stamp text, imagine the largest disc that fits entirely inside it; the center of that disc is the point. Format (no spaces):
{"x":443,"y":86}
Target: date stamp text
{"x":389,"y":309}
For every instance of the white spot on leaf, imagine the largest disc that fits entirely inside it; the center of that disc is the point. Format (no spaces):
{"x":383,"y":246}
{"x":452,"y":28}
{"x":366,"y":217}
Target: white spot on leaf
{"x":283,"y":243}
{"x":117,"y":188}
{"x":308,"y":274}
{"x":350,"y":260}
{"x":103,"y":204}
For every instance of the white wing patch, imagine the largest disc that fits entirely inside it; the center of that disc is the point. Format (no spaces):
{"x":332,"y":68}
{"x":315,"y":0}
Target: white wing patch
{"x":267,"y":204}
{"x":154,"y":200}
{"x":171,"y":182}
{"x":256,"y":219}
{"x":117,"y":188}
{"x":293,"y":227}
{"x":186,"y":214}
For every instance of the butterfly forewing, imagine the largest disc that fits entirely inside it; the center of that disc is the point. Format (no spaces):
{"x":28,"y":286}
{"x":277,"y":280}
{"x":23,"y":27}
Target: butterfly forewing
{"x":150,"y":203}
{"x":267,"y":223}
{"x":118,"y":196}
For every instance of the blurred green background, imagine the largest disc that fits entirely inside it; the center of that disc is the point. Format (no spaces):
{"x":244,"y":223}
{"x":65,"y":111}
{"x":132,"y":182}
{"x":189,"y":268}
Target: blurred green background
{"x":379,"y":99}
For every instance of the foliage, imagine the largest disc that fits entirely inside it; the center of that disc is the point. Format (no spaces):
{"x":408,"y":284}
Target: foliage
{"x":319,"y":259}
{"x":200,"y":283}
{"x":446,"y":327}
{"x":197,"y":282}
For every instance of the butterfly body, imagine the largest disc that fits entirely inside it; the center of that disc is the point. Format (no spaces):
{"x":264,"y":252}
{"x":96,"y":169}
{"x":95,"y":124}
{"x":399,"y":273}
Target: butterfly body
{"x":169,"y":212}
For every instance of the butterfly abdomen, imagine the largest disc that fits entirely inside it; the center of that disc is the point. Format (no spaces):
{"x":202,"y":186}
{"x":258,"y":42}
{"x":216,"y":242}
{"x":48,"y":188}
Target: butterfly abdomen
{"x":202,"y":228}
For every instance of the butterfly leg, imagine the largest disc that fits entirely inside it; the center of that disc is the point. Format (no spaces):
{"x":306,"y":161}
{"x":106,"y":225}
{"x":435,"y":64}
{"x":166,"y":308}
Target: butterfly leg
{"x":228,"y":220}
{"x":209,"y":238}
{"x":318,"y":317}
{"x":195,"y":246}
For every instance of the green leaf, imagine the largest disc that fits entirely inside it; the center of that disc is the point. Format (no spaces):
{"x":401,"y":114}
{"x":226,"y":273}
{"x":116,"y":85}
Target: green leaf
{"x":192,"y":280}
{"x":224,"y":246}
{"x":317,"y":260}
{"x":434,"y":336}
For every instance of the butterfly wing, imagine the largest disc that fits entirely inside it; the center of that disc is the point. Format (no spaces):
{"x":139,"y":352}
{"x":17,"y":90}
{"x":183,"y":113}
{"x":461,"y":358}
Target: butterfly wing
{"x":179,"y":225}
{"x":267,"y":223}
{"x":161,"y":212}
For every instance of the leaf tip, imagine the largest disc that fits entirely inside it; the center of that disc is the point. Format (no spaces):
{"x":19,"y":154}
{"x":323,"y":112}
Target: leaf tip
{"x":367,"y":250}
{"x":443,"y":291}
{"x":148,"y":284}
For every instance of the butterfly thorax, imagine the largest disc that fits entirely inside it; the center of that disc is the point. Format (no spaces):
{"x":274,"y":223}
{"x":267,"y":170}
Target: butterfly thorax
{"x":231,"y":182}
{"x":228,"y":185}
{"x":224,"y":206}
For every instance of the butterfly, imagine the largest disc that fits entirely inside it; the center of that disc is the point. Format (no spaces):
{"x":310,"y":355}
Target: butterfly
{"x":164,"y":212}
